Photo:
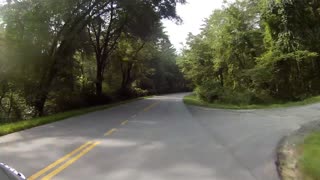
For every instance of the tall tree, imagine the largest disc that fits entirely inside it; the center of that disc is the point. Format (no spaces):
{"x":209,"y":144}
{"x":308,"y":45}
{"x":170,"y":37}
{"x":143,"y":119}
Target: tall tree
{"x":292,"y":30}
{"x":136,"y":18}
{"x":218,"y":59}
{"x":52,"y":32}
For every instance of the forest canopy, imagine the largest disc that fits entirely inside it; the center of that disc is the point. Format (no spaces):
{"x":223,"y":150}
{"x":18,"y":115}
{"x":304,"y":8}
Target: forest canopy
{"x":60,"y":55}
{"x":256,"y":51}
{"x":57,"y":55}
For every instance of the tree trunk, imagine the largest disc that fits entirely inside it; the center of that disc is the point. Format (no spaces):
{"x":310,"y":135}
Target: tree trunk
{"x":126,"y":78}
{"x":44,"y":87}
{"x":47,"y":79}
{"x":99,"y":79}
{"x":221,"y":77}
{"x":39,"y":104}
{"x":58,"y":53}
{"x":318,"y":66}
{"x":99,"y":88}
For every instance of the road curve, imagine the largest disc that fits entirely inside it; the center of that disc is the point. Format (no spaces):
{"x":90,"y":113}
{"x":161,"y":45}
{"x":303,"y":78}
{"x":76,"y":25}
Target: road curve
{"x":156,"y":138}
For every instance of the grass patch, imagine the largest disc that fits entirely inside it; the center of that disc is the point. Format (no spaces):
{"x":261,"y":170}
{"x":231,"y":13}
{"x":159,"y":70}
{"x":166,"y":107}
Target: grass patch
{"x":309,"y":164}
{"x":26,"y":124}
{"x":194,"y":100}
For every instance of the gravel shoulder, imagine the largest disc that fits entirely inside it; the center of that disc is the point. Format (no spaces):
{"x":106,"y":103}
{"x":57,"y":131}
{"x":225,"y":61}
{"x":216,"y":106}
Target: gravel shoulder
{"x":288,"y":154}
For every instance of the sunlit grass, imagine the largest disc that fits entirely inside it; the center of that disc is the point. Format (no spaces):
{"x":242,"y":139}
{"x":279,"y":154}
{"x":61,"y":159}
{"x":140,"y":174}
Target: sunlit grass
{"x":309,"y":164}
{"x":26,"y":124}
{"x":194,"y":100}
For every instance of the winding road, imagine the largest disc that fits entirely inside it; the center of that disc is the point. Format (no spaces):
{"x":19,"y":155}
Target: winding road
{"x":159,"y":138}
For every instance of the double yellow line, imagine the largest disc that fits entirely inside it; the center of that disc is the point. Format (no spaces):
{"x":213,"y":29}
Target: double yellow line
{"x":64,"y":162}
{"x":110,"y":132}
{"x":151,"y":106}
{"x":68,"y":159}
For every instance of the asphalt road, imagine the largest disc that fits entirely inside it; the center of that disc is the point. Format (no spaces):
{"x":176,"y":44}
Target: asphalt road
{"x":156,"y":138}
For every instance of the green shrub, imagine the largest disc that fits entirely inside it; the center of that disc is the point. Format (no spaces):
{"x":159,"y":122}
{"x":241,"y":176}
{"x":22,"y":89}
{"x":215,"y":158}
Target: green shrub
{"x":237,"y":98}
{"x":140,"y":92}
{"x":67,"y":101}
{"x":209,"y":91}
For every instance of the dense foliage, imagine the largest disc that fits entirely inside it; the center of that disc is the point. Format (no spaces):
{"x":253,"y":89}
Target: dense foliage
{"x":62,"y":54}
{"x":256,"y":51}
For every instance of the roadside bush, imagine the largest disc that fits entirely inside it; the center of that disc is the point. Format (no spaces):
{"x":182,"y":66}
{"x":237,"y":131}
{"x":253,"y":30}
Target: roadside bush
{"x":140,"y":92}
{"x":235,"y":97}
{"x":209,"y":92}
{"x":63,"y":101}
{"x":245,"y":97}
{"x":213,"y":92}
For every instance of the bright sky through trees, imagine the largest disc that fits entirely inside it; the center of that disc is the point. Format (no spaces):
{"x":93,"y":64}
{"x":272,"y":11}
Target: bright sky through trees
{"x":193,"y":13}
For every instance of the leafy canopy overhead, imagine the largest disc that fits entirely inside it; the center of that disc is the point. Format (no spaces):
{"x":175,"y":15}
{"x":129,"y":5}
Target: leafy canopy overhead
{"x":57,"y":55}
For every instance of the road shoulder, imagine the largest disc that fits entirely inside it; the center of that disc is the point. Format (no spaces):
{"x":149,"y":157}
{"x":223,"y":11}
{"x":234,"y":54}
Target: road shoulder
{"x":13,"y":127}
{"x":289,"y":151}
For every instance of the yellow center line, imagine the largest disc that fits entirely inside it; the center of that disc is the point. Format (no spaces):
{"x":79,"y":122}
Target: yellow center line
{"x":151,"y":106}
{"x":71,"y":161}
{"x":54,"y":164}
{"x":85,"y":148}
{"x":124,"y":122}
{"x":110,"y":132}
